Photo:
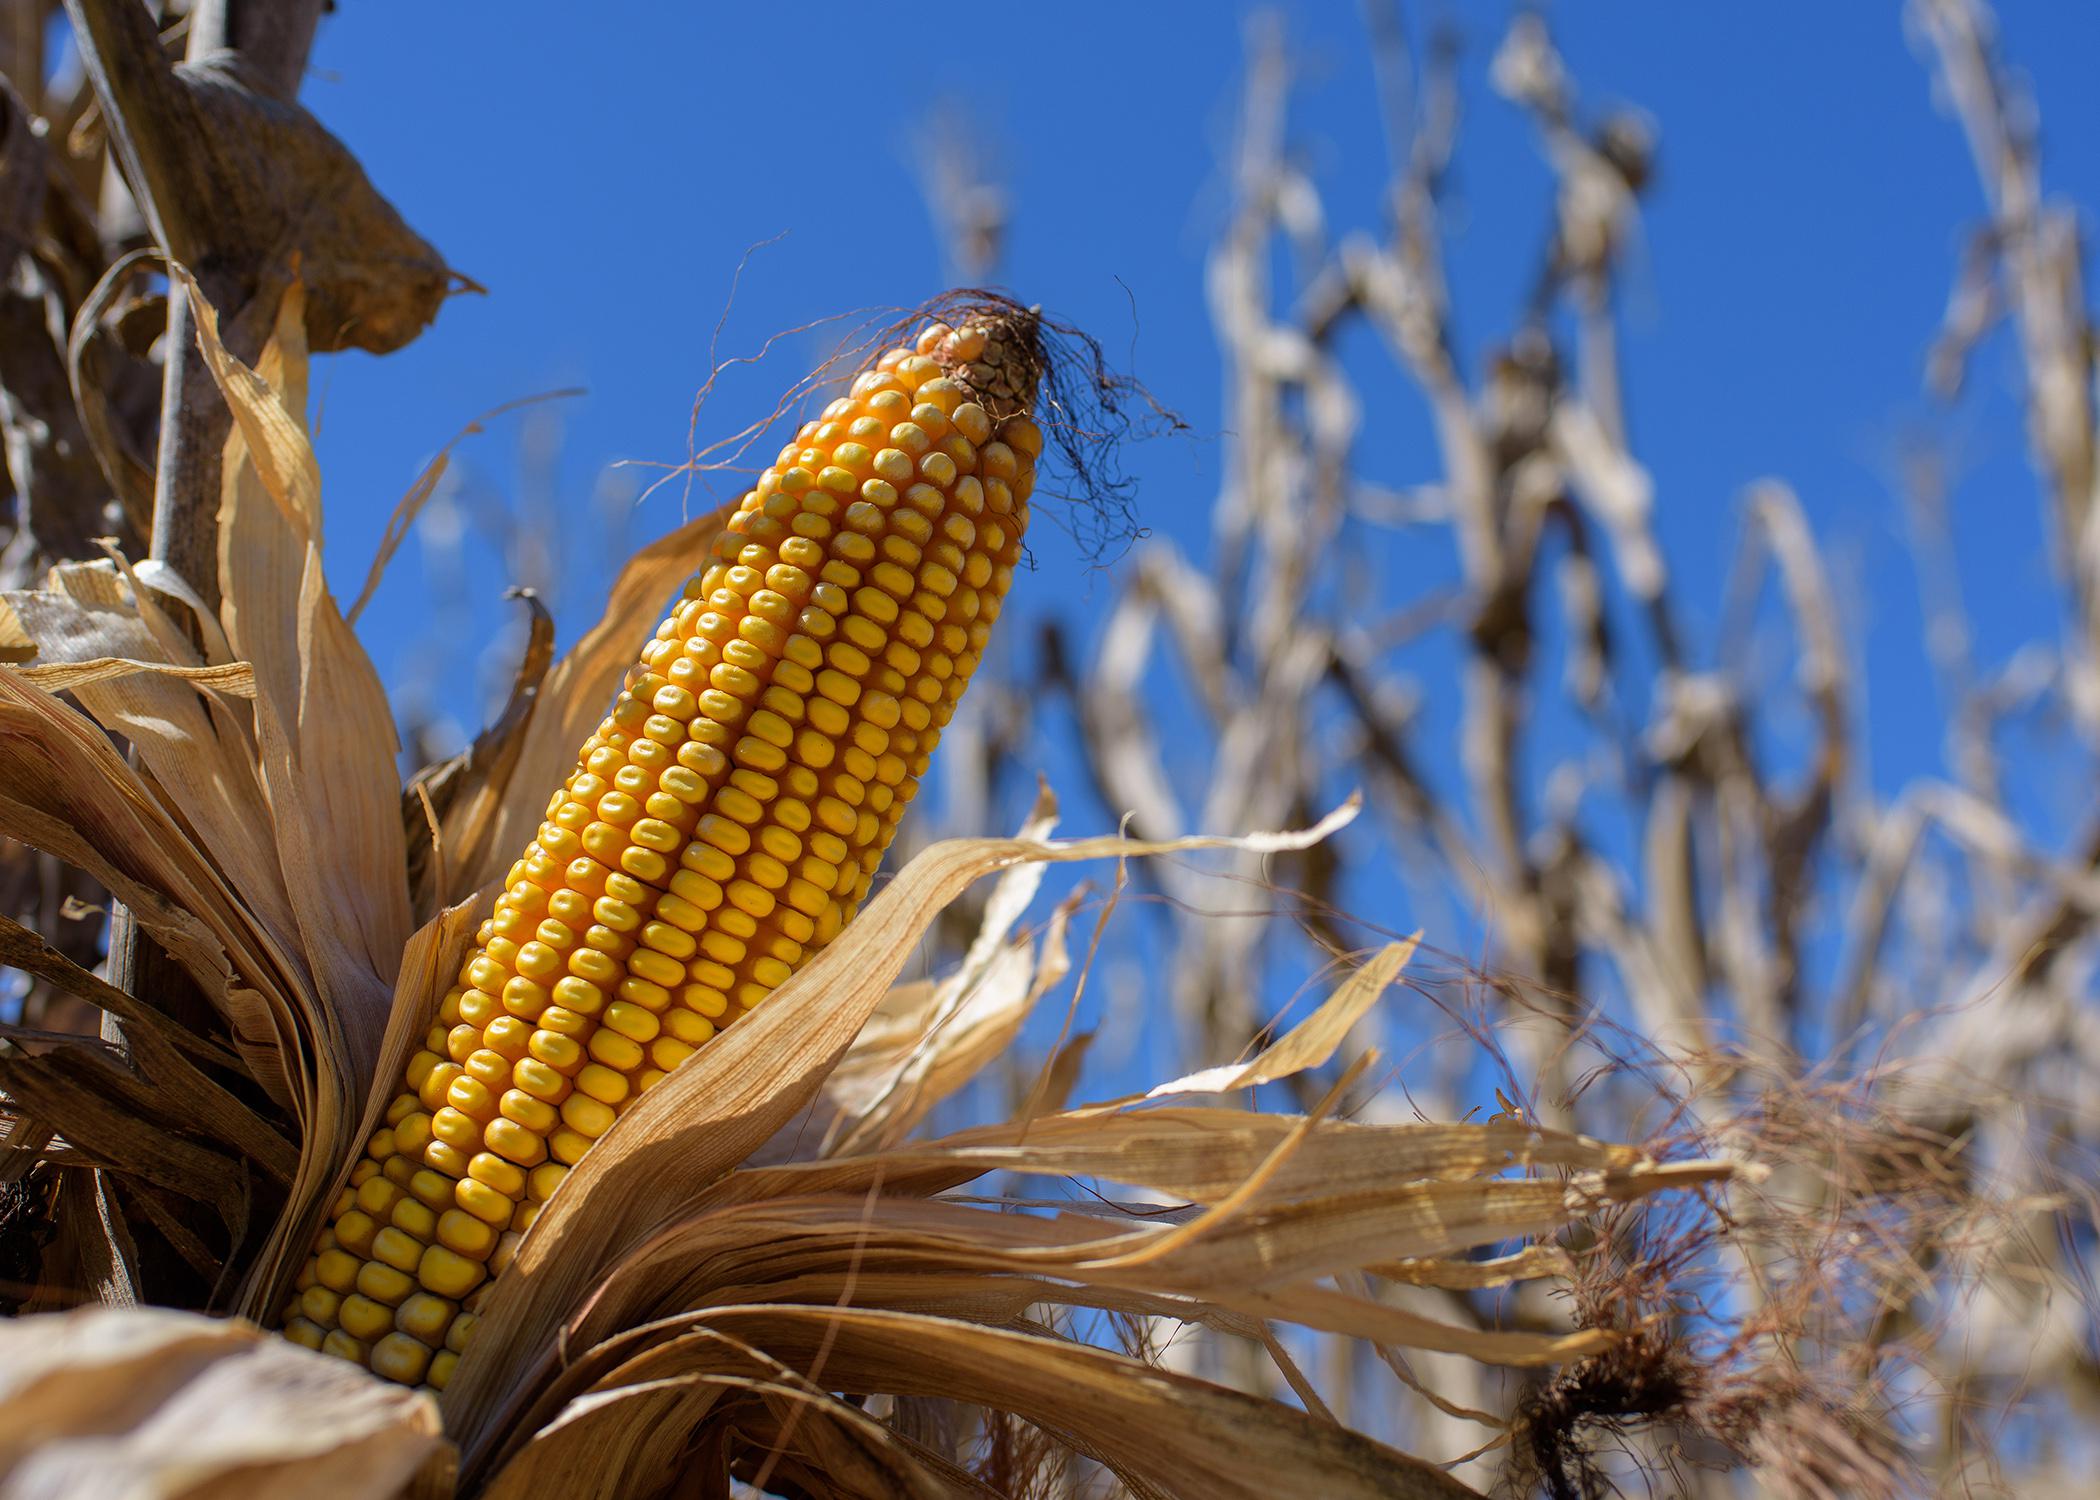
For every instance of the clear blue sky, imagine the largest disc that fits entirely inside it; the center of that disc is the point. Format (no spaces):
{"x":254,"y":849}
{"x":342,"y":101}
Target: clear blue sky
{"x":603,"y":177}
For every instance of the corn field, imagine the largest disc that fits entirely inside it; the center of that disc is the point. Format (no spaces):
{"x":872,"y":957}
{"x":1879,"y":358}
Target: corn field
{"x":1293,"y":1026}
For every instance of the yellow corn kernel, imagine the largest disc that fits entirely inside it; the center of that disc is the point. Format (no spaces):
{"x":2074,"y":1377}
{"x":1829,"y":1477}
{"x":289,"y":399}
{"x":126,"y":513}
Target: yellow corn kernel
{"x":505,"y":1252}
{"x":306,"y":1334}
{"x":336,"y":1270}
{"x":342,"y":1346}
{"x":382,"y":1283}
{"x":363,"y":1319}
{"x":378,"y":1197}
{"x":567,"y":1145}
{"x":412,"y":1134}
{"x":602,"y":1085}
{"x":436,"y":1082}
{"x":420,"y":1067}
{"x":354,"y":1231}
{"x":615,"y":1051}
{"x":455,"y":1127}
{"x":447,"y":1274}
{"x":535,"y":1115}
{"x":504,"y":1176}
{"x":513,"y":1142}
{"x":320,"y":1305}
{"x":441,"y":1156}
{"x":424,"y":1317}
{"x":463,"y":1234}
{"x":413,"y":1217}
{"x":544,"y":1179}
{"x":392,"y":1247}
{"x":587,"y":1115}
{"x":668,"y":1052}
{"x":398,"y":1357}
{"x":432,"y":1189}
{"x":482,"y":1201}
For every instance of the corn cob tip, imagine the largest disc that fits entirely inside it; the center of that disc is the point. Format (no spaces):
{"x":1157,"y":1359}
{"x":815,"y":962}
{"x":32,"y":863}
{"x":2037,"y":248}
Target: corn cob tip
{"x":1084,"y":409}
{"x":994,"y":353}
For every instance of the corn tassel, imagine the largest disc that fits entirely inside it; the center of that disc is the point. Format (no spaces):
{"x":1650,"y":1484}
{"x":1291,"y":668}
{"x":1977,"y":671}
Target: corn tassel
{"x":722,"y":824}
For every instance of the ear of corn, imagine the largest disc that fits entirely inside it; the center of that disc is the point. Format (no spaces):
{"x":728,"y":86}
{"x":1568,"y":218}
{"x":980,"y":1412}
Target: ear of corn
{"x":721,"y":825}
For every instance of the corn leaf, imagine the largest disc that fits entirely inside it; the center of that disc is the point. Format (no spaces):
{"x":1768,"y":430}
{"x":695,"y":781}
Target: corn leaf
{"x":323,"y":725}
{"x":235,"y":677}
{"x":138,"y":1404}
{"x":1167,"y":1431}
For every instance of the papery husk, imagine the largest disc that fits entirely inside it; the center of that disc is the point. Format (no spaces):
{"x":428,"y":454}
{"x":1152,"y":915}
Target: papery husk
{"x":1169,"y":1433}
{"x":145,"y":1404}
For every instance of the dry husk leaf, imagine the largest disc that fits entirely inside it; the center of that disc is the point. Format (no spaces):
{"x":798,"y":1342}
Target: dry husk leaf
{"x":145,"y":1404}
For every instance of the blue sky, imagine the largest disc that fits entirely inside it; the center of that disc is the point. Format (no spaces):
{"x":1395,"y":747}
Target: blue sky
{"x":604,"y":181}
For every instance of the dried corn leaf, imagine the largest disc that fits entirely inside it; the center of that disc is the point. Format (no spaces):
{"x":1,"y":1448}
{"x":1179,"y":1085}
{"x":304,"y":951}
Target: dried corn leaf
{"x":56,"y":625}
{"x":64,"y":789}
{"x":636,"y":1439}
{"x":1530,"y":1263}
{"x":162,"y":1059}
{"x":612,"y":1443}
{"x":803,"y":1250}
{"x":1313,"y":1041}
{"x":269,"y":406}
{"x":1166,"y":1431}
{"x":411,"y":504}
{"x":17,"y":645}
{"x":151,"y":578}
{"x":235,"y":678}
{"x":323,"y":724}
{"x":90,"y":1256}
{"x":140,"y":1404}
{"x":952,"y":1259}
{"x":952,"y":1276}
{"x":114,"y":1118}
{"x":1269,"y":1246}
{"x":200,"y":752}
{"x":1204,"y":1154}
{"x":968,"y":1028}
{"x":482,"y":769}
{"x":146,"y":1028}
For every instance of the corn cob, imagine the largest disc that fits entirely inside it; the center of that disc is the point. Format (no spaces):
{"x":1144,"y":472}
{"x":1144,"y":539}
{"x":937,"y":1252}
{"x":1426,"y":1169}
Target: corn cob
{"x":721,"y":825}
